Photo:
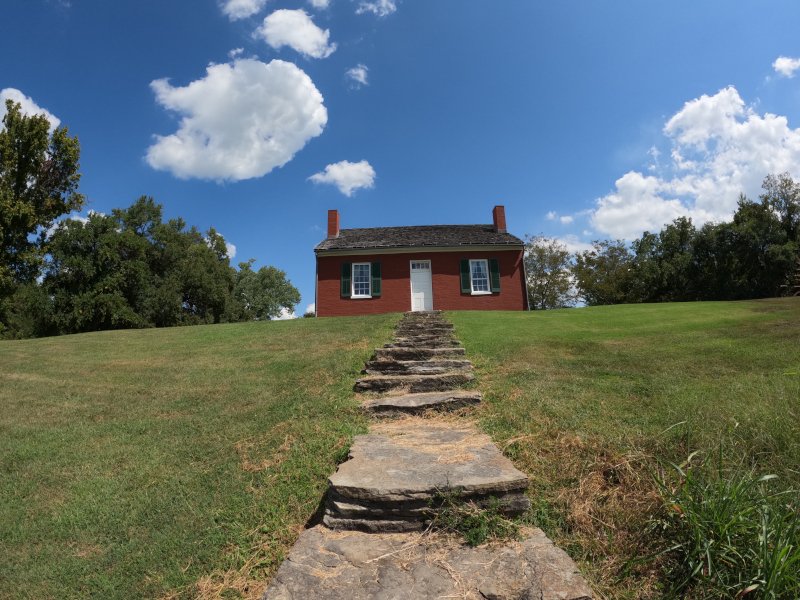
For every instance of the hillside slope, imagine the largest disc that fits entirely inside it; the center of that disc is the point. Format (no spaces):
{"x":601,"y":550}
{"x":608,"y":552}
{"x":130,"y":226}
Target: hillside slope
{"x":135,"y":463}
{"x":182,"y":462}
{"x":592,"y":402}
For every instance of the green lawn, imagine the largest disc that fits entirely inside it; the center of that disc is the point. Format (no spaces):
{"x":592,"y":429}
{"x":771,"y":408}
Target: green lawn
{"x":183,"y":462}
{"x":588,"y":400}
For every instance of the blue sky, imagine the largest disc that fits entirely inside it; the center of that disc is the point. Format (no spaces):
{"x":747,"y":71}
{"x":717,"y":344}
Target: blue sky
{"x":587,"y":120}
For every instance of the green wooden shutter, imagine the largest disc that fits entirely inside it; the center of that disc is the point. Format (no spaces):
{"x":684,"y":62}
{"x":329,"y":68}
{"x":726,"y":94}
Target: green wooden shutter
{"x":466,"y":286}
{"x":347,"y":273}
{"x":376,"y":280}
{"x":494,"y":275}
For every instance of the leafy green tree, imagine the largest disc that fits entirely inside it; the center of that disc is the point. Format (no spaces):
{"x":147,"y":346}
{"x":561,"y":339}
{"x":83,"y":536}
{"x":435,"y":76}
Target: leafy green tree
{"x":604,"y":274}
{"x":782,"y":195}
{"x":206,"y":278}
{"x":96,"y":276}
{"x":38,"y":183}
{"x":716,"y":265}
{"x":764,"y":250}
{"x":129,"y":269}
{"x":264,"y":293}
{"x":549,"y":277}
{"x":28,"y":313}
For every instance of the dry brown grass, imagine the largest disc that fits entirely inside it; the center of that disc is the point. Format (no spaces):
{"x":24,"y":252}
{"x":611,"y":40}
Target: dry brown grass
{"x":606,"y":499}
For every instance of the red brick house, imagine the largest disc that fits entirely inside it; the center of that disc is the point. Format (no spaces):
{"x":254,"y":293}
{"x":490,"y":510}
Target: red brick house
{"x":428,"y":267}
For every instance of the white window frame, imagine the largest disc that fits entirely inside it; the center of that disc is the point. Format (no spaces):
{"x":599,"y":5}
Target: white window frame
{"x":353,"y":280}
{"x":488,"y":289}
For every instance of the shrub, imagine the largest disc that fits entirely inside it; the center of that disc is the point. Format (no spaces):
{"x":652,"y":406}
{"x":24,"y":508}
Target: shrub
{"x":730,"y":533}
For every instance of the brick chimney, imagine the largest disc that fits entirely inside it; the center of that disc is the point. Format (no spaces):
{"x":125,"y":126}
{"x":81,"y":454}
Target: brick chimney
{"x":333,"y":224}
{"x":499,"y":217}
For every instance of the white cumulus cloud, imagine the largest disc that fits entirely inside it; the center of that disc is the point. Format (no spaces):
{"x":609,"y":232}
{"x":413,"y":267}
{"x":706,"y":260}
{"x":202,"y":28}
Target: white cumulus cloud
{"x":231,"y":250}
{"x":28,"y":106}
{"x":563,"y":219}
{"x":574,"y":244}
{"x":358,"y":75}
{"x":721,"y":147}
{"x":294,"y":28}
{"x":240,"y":121}
{"x":320,"y":4}
{"x":311,"y":308}
{"x":285,"y":315}
{"x":380,"y":8}
{"x":241,"y":9}
{"x":347,"y":176}
{"x":786,"y":66}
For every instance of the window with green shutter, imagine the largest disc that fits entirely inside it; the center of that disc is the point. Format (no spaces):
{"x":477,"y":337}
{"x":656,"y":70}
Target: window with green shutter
{"x":466,"y":287}
{"x":494,"y":275}
{"x":376,"y":280}
{"x":346,"y":280}
{"x":480,"y":276}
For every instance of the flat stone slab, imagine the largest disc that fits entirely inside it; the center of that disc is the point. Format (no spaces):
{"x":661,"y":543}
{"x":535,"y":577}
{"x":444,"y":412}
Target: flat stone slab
{"x":425,"y":342}
{"x":418,"y":353}
{"x":418,"y":403}
{"x":413,"y":383}
{"x":361,"y":566}
{"x":402,"y":461}
{"x":420,"y":367}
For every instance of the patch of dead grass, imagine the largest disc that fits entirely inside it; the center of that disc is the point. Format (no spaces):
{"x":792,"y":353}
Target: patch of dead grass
{"x":83,"y":550}
{"x":250,"y":449}
{"x":606,"y":499}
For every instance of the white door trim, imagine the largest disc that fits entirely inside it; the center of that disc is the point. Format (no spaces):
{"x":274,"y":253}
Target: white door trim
{"x":411,"y":286}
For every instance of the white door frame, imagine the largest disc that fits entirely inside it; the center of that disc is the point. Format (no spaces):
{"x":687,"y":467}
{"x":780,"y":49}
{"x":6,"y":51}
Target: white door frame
{"x":410,"y":287}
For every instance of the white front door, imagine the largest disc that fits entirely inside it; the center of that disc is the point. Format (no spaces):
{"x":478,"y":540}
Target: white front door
{"x":421,"y":285}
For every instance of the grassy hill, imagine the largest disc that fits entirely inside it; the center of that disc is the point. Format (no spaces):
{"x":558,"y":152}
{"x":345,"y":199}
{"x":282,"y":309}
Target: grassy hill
{"x":182,"y":462}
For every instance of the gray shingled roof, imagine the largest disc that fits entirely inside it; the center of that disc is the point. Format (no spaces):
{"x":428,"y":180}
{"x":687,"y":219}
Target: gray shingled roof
{"x":418,"y":236}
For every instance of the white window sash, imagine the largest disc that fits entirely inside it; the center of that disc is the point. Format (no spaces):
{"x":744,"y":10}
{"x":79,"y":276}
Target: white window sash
{"x":485,"y":279}
{"x":353,"y":293}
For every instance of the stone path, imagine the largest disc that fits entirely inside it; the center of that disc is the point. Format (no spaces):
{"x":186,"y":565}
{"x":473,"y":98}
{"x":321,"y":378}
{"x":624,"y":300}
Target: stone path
{"x":369,"y":546}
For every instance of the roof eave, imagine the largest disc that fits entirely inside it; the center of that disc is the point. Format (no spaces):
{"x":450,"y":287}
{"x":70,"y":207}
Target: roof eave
{"x":419,"y":248}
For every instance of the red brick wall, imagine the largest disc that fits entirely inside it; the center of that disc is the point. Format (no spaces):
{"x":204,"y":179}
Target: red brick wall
{"x":396,"y":287}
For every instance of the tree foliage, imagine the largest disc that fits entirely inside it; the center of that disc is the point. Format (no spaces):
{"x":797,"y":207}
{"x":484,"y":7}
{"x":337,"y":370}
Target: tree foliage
{"x":38,"y":183}
{"x":264,"y":293}
{"x":752,"y":256}
{"x":131,"y":269}
{"x":603,"y":274}
{"x":549,"y":278}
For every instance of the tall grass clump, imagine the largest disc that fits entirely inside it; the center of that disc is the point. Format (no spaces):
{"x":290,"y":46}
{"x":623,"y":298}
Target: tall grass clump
{"x":731,"y":533}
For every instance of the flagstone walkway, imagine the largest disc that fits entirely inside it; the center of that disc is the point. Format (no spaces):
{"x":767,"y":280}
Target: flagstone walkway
{"x":373,"y":542}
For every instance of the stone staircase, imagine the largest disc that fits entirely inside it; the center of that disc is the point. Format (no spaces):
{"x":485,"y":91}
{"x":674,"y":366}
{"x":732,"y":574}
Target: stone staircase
{"x":372,"y":542}
{"x":424,"y":357}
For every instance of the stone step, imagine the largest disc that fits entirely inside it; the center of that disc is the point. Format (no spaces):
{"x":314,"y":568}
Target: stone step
{"x":417,"y":367}
{"x":422,"y":327}
{"x":417,"y":353}
{"x":440,"y":333}
{"x":419,"y":403}
{"x":424,"y":332}
{"x":417,"y":335}
{"x":444,"y":325}
{"x":423,"y":342}
{"x":413,"y":383}
{"x":395,"y":475}
{"x":408,"y":516}
{"x":362,"y":566}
